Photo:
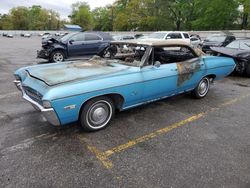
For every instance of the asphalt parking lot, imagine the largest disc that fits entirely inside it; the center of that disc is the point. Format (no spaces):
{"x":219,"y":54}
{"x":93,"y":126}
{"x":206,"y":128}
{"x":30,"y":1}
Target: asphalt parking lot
{"x":177,"y":142}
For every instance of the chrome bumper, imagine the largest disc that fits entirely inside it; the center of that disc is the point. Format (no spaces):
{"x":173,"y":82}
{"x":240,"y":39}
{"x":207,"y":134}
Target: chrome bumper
{"x":48,"y":113}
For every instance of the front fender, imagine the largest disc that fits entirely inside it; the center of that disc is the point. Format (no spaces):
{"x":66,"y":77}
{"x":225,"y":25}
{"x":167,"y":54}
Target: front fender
{"x":58,"y":47}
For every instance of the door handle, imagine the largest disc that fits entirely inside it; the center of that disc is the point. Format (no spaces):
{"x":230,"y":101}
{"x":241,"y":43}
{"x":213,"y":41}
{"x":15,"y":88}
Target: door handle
{"x":174,"y":69}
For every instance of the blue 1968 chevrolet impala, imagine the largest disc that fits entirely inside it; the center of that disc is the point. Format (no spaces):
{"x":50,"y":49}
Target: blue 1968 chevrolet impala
{"x":130,"y":74}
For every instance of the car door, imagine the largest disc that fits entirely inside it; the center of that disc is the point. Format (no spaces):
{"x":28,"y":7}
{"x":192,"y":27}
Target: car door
{"x":92,"y":43}
{"x":158,"y":78}
{"x":171,"y":77}
{"x":190,"y":69}
{"x":76,"y":45}
{"x":159,"y":81}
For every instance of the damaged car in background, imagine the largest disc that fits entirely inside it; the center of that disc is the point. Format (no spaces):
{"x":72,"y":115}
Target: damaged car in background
{"x":74,"y":45}
{"x":132,"y":74}
{"x":239,"y":50}
{"x":217,"y":40}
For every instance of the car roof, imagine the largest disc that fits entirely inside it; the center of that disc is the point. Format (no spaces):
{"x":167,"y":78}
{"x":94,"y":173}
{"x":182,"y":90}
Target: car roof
{"x":104,"y":35}
{"x":153,"y":42}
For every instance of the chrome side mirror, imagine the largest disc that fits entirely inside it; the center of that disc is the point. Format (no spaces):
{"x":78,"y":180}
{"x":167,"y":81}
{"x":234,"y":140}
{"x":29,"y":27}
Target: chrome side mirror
{"x":157,"y":64}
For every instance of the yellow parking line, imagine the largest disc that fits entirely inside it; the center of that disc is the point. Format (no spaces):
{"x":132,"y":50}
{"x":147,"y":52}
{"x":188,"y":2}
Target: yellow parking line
{"x":103,"y":156}
{"x":99,"y":155}
{"x":149,"y":136}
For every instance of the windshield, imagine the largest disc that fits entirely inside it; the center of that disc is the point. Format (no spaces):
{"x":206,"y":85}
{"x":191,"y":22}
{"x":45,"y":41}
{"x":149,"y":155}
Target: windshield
{"x":234,"y":44}
{"x":245,"y":45}
{"x":240,"y":44}
{"x":157,"y":35}
{"x":67,"y":37}
{"x":127,"y":54}
{"x":216,"y":38}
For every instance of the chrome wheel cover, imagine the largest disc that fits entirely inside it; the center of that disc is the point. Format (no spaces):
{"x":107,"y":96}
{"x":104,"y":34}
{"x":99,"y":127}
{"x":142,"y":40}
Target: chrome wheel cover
{"x":203,"y":87}
{"x":99,"y":114}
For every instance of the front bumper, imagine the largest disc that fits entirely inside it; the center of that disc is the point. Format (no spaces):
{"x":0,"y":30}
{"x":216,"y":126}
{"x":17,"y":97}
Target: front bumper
{"x":48,"y":113}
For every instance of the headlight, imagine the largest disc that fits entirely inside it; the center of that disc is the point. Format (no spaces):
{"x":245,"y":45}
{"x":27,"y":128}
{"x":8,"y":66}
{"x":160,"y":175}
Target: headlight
{"x":46,"y":104}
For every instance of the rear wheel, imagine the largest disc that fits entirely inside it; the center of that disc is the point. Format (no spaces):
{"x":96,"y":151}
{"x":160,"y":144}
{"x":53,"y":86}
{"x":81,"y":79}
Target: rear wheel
{"x":202,"y":89}
{"x":57,"y":56}
{"x":97,"y":113}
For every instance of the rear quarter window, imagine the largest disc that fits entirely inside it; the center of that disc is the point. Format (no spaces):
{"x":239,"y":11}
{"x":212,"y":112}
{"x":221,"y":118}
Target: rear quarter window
{"x":186,"y":35}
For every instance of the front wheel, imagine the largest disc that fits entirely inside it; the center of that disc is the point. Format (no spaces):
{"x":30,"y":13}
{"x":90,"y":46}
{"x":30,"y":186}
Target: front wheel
{"x":202,"y":89}
{"x":97,"y":113}
{"x":57,"y":56}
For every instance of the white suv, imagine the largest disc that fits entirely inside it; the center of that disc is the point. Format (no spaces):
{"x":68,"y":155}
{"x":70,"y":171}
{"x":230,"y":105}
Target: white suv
{"x":168,"y":35}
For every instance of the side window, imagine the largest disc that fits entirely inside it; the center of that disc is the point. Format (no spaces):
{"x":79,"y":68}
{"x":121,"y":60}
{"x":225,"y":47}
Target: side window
{"x":89,"y":37}
{"x":128,"y":38}
{"x":173,"y":54}
{"x":78,"y":37}
{"x":174,"y":36}
{"x":186,"y":35}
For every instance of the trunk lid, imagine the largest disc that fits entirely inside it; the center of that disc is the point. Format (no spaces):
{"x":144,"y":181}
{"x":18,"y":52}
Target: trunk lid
{"x":229,"y":51}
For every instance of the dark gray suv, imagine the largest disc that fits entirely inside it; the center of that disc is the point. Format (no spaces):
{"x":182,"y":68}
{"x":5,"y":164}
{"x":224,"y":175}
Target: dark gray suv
{"x":74,"y":45}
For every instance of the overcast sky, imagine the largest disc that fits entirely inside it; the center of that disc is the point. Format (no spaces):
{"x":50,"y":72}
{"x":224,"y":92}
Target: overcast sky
{"x":63,"y":7}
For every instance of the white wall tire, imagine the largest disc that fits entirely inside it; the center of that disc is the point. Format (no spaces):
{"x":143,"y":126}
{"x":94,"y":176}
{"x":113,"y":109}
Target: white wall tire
{"x":97,"y":113}
{"x":202,"y":88}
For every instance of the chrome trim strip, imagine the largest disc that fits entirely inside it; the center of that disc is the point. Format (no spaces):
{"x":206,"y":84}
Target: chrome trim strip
{"x":48,"y":113}
{"x":157,"y":99}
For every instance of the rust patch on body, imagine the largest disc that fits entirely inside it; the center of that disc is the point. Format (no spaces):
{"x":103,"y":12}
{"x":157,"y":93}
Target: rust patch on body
{"x":186,"y":70}
{"x":95,"y":61}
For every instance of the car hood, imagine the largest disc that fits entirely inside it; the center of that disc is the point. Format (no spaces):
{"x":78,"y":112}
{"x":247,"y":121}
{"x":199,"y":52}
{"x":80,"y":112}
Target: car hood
{"x":50,"y":41}
{"x":59,"y":73}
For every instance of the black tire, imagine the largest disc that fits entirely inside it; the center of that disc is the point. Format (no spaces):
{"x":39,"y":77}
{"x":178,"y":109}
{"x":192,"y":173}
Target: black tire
{"x":248,"y":70}
{"x":97,"y":113}
{"x":202,"y":88}
{"x":57,"y":56}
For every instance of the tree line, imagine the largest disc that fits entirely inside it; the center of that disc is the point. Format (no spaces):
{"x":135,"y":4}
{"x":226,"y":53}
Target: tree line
{"x":33,"y":18}
{"x":138,"y":15}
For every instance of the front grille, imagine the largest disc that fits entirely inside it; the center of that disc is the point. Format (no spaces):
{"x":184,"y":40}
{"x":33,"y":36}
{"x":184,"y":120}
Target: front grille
{"x":33,"y":94}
